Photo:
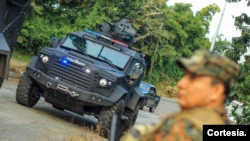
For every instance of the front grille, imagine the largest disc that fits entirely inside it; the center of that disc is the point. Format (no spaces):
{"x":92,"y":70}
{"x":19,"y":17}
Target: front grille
{"x":71,"y":73}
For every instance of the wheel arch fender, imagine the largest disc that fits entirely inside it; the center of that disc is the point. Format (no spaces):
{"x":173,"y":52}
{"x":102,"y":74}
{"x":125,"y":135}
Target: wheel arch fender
{"x":118,"y":93}
{"x":136,"y":96}
{"x":33,"y":61}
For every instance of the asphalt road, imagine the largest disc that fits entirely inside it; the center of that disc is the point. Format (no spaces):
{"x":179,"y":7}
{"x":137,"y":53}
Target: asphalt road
{"x":44,"y":123}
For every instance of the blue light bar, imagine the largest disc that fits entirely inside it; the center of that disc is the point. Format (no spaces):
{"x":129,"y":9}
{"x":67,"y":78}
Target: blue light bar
{"x":105,"y":37}
{"x":93,"y":32}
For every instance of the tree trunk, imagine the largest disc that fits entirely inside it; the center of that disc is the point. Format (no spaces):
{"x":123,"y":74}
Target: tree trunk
{"x":154,"y":54}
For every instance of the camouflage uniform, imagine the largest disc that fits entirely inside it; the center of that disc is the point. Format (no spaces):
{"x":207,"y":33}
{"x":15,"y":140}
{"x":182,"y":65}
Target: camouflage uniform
{"x":186,"y":125}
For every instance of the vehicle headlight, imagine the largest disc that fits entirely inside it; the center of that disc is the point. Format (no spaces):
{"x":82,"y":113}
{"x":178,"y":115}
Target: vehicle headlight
{"x":103,"y":82}
{"x":44,"y":58}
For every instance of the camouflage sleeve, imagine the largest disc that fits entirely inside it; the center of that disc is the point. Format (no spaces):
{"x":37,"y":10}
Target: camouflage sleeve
{"x":174,"y":129}
{"x":178,"y":130}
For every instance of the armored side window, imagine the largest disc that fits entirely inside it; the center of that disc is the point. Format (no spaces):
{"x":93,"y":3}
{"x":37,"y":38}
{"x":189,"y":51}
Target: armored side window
{"x":135,"y":72}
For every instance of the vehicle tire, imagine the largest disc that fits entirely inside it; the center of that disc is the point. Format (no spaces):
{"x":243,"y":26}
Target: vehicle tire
{"x":141,"y":107}
{"x":152,"y":109}
{"x":26,"y":91}
{"x":105,"y":117}
{"x":1,"y":80}
{"x":143,"y":104}
{"x":132,"y":116}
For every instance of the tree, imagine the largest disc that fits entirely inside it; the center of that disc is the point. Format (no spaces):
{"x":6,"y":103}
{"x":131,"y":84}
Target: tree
{"x":153,"y":37}
{"x":241,"y":89}
{"x":166,"y":33}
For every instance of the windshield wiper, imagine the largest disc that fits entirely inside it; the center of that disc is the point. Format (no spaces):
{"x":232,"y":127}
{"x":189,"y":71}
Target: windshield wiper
{"x":107,"y":61}
{"x":81,"y":49}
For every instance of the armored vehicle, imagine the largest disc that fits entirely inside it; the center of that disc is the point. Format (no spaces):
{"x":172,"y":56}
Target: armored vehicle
{"x":12,"y":16}
{"x":152,"y":99}
{"x":88,"y":72}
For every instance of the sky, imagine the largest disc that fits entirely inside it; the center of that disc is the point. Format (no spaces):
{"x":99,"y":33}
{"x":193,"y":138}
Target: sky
{"x":227,"y":27}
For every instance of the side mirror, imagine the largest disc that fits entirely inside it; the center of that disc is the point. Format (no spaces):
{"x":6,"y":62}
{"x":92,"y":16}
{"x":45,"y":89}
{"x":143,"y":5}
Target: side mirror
{"x":53,"y":42}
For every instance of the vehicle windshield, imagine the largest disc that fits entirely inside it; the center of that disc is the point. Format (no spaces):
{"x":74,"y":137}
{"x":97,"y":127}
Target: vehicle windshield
{"x":96,"y":50}
{"x":145,"y":87}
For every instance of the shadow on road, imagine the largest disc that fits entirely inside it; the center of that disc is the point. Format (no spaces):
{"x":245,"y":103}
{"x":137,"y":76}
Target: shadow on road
{"x":67,"y":116}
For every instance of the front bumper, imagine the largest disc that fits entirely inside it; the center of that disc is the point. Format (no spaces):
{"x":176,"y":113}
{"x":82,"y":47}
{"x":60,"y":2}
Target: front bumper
{"x":72,"y":92}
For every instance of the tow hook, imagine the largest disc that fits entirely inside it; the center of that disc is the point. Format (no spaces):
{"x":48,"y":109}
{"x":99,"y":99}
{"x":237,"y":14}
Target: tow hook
{"x":73,"y":93}
{"x":66,"y":90}
{"x":49,"y":84}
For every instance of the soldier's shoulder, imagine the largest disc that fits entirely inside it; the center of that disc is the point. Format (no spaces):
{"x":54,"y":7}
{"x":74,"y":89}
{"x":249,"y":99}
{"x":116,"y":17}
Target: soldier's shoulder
{"x":180,"y":126}
{"x":169,"y":129}
{"x":201,"y":116}
{"x":180,"y":121}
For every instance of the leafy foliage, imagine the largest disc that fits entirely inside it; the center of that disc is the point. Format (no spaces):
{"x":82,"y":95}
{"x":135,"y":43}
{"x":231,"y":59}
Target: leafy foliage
{"x":166,"y":33}
{"x":241,"y":91}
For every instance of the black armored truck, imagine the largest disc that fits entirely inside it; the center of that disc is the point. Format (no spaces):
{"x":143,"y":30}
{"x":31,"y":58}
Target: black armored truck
{"x":89,"y":72}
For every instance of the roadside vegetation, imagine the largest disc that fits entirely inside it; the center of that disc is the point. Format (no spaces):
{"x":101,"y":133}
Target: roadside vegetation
{"x":165,"y":33}
{"x":19,"y":62}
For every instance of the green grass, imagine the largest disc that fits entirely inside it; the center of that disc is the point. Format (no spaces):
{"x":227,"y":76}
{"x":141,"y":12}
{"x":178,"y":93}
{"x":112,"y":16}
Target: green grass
{"x":18,"y":55}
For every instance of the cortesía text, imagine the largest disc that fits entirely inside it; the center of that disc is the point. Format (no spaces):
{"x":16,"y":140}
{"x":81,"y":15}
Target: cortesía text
{"x":241,"y":132}
{"x":211,"y":132}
